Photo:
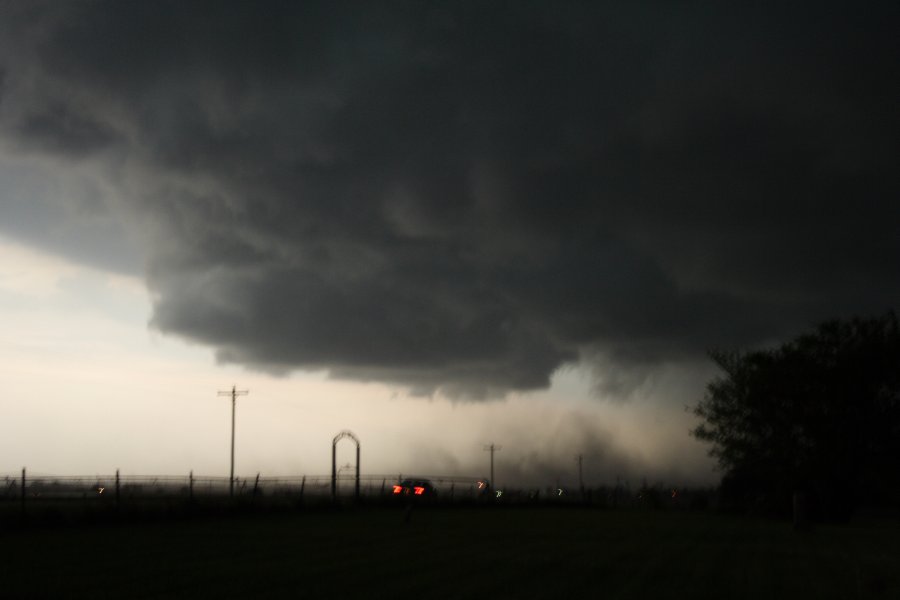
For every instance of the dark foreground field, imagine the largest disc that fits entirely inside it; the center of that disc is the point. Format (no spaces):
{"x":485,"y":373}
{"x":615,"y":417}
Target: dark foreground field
{"x":445,"y":553}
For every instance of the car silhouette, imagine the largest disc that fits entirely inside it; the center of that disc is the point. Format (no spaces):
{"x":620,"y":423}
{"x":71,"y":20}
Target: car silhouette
{"x":414,"y":489}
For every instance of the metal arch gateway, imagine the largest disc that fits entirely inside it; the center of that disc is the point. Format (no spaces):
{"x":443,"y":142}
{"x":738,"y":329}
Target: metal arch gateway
{"x":344,"y":434}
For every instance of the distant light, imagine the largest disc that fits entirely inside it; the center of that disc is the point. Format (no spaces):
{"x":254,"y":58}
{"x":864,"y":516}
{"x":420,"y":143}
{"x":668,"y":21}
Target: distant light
{"x":480,"y":484}
{"x":100,"y":490}
{"x":559,"y":492}
{"x":419,"y":490}
{"x":398,"y":489}
{"x":499,"y":493}
{"x":674,"y":493}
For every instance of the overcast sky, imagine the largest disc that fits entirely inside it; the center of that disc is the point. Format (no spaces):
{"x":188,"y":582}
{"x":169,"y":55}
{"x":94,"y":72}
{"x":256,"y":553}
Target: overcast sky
{"x":439,"y":223}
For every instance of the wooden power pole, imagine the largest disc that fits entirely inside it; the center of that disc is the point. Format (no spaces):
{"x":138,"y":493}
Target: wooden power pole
{"x":234,"y":393}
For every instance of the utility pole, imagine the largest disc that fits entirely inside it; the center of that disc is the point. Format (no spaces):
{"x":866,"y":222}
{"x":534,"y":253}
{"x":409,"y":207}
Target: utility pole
{"x":492,"y":448}
{"x":580,"y":459}
{"x":234,"y":393}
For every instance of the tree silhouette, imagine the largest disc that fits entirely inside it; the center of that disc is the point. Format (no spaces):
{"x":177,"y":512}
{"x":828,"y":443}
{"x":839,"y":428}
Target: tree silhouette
{"x":818,"y":415}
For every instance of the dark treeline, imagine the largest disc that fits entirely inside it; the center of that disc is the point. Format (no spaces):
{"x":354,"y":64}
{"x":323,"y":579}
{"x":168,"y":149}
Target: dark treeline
{"x":813,"y":423}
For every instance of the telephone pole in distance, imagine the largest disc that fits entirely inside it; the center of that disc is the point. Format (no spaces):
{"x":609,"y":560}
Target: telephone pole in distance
{"x":580,"y":459}
{"x":492,"y":448}
{"x":234,"y":393}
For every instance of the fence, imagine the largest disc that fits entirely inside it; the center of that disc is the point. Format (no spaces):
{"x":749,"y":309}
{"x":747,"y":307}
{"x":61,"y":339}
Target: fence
{"x":116,"y":490}
{"x":27,"y":492}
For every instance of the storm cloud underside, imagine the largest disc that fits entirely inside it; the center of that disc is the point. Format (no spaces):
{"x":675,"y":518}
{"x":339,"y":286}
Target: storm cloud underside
{"x":465,"y":196}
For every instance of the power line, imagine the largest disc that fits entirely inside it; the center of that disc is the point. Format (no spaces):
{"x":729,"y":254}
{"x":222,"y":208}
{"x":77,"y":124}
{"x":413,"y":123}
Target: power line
{"x":234,"y":393}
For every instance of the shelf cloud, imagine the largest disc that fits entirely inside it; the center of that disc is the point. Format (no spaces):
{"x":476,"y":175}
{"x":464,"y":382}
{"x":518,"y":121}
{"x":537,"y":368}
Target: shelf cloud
{"x":462,"y":197}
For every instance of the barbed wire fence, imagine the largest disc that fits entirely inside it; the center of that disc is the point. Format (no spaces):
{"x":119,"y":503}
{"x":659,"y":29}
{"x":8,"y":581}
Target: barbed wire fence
{"x":26,"y":493}
{"x":117,"y":490}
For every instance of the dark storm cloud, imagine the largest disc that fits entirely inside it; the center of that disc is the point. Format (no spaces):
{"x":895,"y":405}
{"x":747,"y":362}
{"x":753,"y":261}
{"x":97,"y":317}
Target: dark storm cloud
{"x":466,"y":196}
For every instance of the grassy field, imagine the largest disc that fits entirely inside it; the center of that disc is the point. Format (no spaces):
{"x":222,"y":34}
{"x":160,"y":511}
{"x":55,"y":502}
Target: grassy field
{"x":446,"y":553}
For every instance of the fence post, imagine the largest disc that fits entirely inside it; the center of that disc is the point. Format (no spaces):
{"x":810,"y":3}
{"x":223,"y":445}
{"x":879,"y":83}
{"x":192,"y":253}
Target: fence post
{"x":23,"y":490}
{"x":302,"y":486}
{"x":191,"y":487}
{"x":256,"y":486}
{"x":117,"y":489}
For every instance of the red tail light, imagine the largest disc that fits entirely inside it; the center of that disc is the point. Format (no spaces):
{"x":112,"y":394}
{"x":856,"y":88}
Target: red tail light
{"x":419,"y":490}
{"x":398,"y":489}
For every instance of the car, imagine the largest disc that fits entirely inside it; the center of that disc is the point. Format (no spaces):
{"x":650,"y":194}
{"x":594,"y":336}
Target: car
{"x":414,"y":489}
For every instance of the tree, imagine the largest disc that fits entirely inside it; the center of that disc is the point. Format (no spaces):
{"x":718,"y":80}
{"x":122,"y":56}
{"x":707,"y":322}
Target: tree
{"x":819,"y":415}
